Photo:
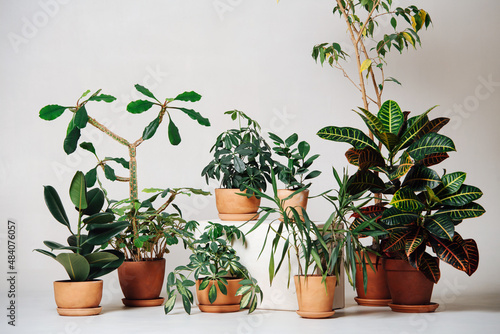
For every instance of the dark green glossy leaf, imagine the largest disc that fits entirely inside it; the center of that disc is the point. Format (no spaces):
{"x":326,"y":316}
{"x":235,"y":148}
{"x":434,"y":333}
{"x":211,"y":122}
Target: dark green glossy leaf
{"x":349,"y":135}
{"x":54,"y":204}
{"x":441,"y":226}
{"x":76,"y":266}
{"x":150,"y":130}
{"x":196,"y":116}
{"x":470,"y":210}
{"x":78,"y":191}
{"x":212,"y":293}
{"x":88,"y":147}
{"x":103,"y":97}
{"x":95,"y":201}
{"x":71,"y":140}
{"x":51,"y":112}
{"x":450,"y":183}
{"x":84,"y":248}
{"x":419,"y":177}
{"x":121,"y":161}
{"x":393,"y":216}
{"x":406,"y":200}
{"x":44,"y":252}
{"x":292,"y":139}
{"x":81,"y":117}
{"x":102,"y":234}
{"x":91,"y":177}
{"x":413,"y":129}
{"x":100,"y":258}
{"x":109,"y":173}
{"x":188,"y":96}
{"x":173,"y":133}
{"x":143,"y":90}
{"x":465,"y":195}
{"x":364,"y":180}
{"x":304,"y":149}
{"x":57,"y":246}
{"x":239,"y":165}
{"x":100,"y":218}
{"x":139,"y":106}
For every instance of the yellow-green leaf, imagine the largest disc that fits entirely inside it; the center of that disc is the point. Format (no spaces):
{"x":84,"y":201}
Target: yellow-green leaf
{"x":365,"y":65}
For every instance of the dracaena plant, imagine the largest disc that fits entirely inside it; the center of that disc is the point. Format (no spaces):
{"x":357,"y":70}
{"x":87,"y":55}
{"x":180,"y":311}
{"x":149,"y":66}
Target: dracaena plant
{"x":94,"y":228}
{"x":295,"y":172}
{"x":213,"y":260}
{"x":80,"y":118}
{"x":242,"y":158}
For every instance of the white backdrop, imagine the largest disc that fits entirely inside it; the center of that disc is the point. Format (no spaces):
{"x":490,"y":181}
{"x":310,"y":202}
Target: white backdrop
{"x":249,"y":55}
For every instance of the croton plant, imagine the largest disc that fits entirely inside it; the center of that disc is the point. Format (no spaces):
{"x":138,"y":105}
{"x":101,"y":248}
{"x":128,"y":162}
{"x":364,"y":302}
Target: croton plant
{"x":418,"y":208}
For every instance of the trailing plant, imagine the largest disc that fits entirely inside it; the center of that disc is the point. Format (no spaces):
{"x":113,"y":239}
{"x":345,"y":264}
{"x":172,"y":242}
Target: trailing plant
{"x":365,"y":21}
{"x":213,"y":260}
{"x":242,"y":158}
{"x":157,"y":229}
{"x":83,"y":262}
{"x":79,"y":121}
{"x":295,"y":172}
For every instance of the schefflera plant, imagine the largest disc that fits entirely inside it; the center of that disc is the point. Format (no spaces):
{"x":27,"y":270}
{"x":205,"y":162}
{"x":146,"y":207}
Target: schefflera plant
{"x":425,"y":207}
{"x":79,"y":121}
{"x":82,"y":262}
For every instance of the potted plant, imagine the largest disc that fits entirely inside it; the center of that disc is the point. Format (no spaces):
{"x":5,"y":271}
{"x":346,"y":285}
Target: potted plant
{"x":295,"y":172}
{"x":81,"y":294}
{"x":242,"y":159}
{"x":421,"y":213}
{"x":365,"y":21}
{"x":143,"y":242}
{"x":223,"y":284}
{"x":319,"y":249}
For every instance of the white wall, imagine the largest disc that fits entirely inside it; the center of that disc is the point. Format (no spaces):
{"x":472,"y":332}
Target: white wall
{"x":250,"y":55}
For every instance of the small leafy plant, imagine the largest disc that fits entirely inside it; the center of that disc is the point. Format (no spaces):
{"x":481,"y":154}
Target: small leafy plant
{"x":242,"y":158}
{"x":84,"y":263}
{"x":213,"y":260}
{"x":295,"y":172}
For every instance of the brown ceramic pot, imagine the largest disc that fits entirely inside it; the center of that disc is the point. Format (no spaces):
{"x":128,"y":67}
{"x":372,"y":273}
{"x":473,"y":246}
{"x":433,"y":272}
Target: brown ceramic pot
{"x":407,"y":285}
{"x":233,"y":207}
{"x":224,"y":303}
{"x":298,"y":201}
{"x":377,"y":290}
{"x":314,"y":300}
{"x":142,"y":280}
{"x":78,"y":298}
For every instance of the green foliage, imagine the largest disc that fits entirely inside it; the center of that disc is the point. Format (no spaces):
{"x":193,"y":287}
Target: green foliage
{"x":296,"y":170}
{"x":84,"y":263}
{"x":156,"y":230}
{"x":242,"y":158}
{"x":213,"y":261}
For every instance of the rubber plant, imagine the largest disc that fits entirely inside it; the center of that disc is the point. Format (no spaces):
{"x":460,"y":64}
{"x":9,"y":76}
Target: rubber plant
{"x":81,"y":260}
{"x":213,"y":261}
{"x":138,"y":240}
{"x":424,"y":207}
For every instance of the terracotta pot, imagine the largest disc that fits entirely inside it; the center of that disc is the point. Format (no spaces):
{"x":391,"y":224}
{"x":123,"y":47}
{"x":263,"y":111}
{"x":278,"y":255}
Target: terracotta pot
{"x":407,"y":285}
{"x":142,"y":281}
{"x":78,"y":298}
{"x":314,"y":300}
{"x":377,"y":290}
{"x":233,"y":207}
{"x":223,"y":303}
{"x":298,"y":201}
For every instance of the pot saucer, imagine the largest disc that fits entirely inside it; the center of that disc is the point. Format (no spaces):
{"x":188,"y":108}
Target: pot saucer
{"x":219,"y":308}
{"x":79,"y":311}
{"x":372,"y":302}
{"x":238,"y":216}
{"x":143,"y":302}
{"x":315,"y":315}
{"x":414,"y":308}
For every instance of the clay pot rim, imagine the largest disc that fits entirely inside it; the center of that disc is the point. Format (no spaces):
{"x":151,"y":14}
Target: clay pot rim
{"x":144,"y":260}
{"x":92,"y":281}
{"x":392,"y":264}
